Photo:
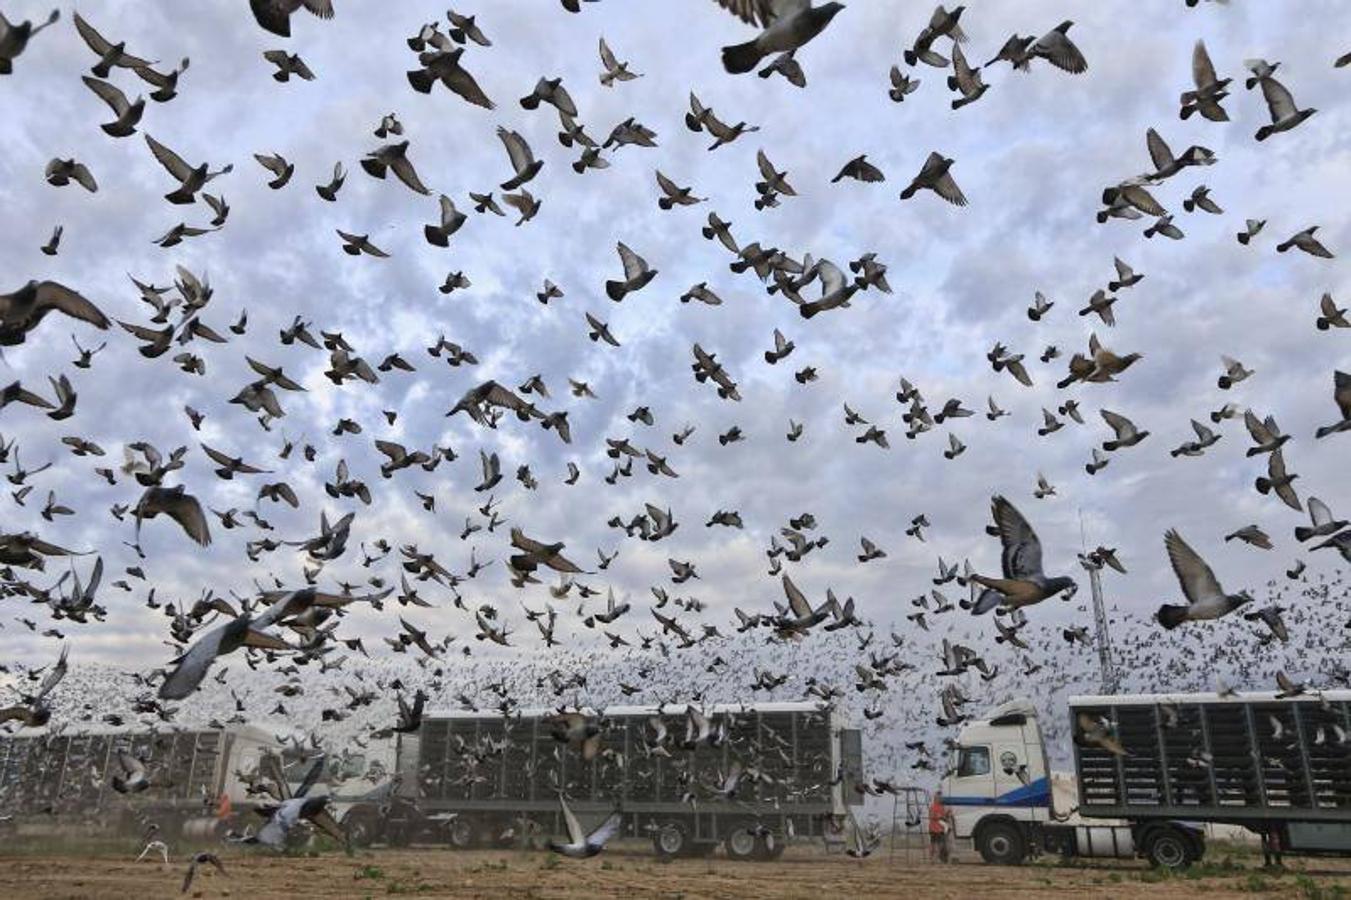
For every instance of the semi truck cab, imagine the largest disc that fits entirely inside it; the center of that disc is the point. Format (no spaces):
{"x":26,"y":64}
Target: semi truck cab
{"x":999,"y":790}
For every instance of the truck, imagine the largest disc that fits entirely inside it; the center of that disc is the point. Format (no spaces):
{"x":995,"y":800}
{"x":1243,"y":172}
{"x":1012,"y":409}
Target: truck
{"x":53,"y":780}
{"x":1151,"y":770}
{"x":767,"y":773}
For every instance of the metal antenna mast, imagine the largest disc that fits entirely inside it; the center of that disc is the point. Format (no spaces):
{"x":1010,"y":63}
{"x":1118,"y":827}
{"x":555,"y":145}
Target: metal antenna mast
{"x":1111,"y":678}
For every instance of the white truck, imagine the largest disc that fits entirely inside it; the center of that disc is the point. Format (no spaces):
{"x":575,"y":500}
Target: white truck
{"x":48,"y":781}
{"x":1151,"y":769}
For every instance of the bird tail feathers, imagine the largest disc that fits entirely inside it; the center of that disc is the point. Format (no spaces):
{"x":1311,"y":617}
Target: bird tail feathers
{"x":741,"y":58}
{"x":1172,"y":616}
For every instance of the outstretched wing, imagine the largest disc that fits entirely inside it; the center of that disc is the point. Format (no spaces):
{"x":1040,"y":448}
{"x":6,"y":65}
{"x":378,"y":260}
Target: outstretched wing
{"x":1279,"y":102}
{"x":576,"y":835}
{"x":753,"y":12}
{"x":53,"y":295}
{"x":169,"y":159}
{"x":1022,"y":547}
{"x":608,"y":829}
{"x":796,"y":600}
{"x":1196,"y":577}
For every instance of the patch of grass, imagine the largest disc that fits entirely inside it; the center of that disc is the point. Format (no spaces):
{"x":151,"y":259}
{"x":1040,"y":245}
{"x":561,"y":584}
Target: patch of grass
{"x":422,"y":887}
{"x":550,"y":862}
{"x":1256,"y":884}
{"x":1310,"y":889}
{"x":368,"y":873}
{"x":490,"y":865}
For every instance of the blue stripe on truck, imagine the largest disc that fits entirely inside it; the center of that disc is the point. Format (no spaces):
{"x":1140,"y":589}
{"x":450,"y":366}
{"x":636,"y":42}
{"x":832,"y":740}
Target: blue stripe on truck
{"x":1036,"y":793}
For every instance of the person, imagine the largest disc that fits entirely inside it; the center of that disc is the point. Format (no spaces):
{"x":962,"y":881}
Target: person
{"x":938,"y":826}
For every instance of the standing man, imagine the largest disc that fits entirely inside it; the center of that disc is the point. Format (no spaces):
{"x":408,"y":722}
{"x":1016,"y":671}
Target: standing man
{"x":938,"y":825}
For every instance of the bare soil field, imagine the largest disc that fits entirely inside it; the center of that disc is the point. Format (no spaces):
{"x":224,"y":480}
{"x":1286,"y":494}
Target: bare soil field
{"x":637,"y":876}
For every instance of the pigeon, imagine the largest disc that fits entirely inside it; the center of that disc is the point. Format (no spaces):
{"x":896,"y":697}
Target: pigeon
{"x":128,"y":113}
{"x":394,"y":157}
{"x":637,"y":274}
{"x":190,"y":179}
{"x":23,"y":310}
{"x":1305,"y":240}
{"x":936,"y":176}
{"x":14,"y":38}
{"x":581,"y":845}
{"x":1023,"y":582}
{"x":1206,"y":600}
{"x":788,"y":25}
{"x":1285,"y":115}
{"x":275,"y":15}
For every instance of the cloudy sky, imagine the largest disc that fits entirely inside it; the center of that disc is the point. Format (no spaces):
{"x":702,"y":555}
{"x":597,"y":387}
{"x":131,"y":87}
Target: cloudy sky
{"x":1032,"y":156}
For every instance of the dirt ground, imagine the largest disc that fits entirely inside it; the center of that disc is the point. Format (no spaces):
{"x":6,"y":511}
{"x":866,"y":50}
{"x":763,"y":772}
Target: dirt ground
{"x":635,"y":875}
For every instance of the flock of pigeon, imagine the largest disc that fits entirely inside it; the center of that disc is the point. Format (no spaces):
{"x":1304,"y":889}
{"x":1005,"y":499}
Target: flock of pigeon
{"x":973,"y":629}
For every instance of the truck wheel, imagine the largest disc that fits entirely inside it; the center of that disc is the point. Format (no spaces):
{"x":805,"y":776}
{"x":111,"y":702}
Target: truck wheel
{"x":461,"y":834}
{"x":768,"y":847}
{"x":741,"y":842}
{"x":1168,"y":848}
{"x":671,"y":840}
{"x":361,"y":828}
{"x":1001,"y":844}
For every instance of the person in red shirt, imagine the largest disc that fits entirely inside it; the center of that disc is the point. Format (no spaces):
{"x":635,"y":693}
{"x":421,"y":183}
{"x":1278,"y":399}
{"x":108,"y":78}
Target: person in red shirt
{"x":938,"y":828}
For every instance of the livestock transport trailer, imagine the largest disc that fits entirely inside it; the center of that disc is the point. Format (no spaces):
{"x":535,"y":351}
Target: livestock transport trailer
{"x":57,"y":781}
{"x":1279,"y":766}
{"x":473,"y":779}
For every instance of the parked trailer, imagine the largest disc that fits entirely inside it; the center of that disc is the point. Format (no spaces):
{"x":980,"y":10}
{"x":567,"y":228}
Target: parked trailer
{"x":56,"y":779}
{"x":1279,"y":766}
{"x":474,"y":779}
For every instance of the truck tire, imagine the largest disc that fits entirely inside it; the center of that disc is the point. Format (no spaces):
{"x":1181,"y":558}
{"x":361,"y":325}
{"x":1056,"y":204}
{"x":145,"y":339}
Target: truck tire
{"x":671,"y":840}
{"x":769,"y":847}
{"x":1169,"y":848}
{"x":1001,"y":844}
{"x":461,"y":833}
{"x":362,"y":827}
{"x":741,"y":842}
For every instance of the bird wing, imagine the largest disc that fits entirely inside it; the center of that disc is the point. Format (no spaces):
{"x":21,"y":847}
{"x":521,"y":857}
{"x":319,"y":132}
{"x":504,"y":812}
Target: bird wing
{"x":767,"y":169}
{"x":1159,"y":152}
{"x":634,"y":265}
{"x":1197,"y":579}
{"x":612,"y":825}
{"x":832,"y":279}
{"x":109,"y":93}
{"x":1203,"y":70}
{"x":191,"y":667}
{"x":404,"y":171}
{"x":52,"y":295}
{"x":59,"y":670}
{"x":1123,"y":426}
{"x":607,"y":57}
{"x":1319,"y":513}
{"x":1279,"y":102}
{"x":169,"y":159}
{"x":576,"y":836}
{"x":1061,"y":52}
{"x":186,"y":511}
{"x":753,"y":12}
{"x":1022,"y":548}
{"x":668,"y":186}
{"x":311,"y":777}
{"x":796,"y":600}
{"x":947,"y":188}
{"x":97,"y":42}
{"x":1257,"y":428}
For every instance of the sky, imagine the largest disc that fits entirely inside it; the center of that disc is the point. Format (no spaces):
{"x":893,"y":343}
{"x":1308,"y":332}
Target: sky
{"x":1032,"y":156}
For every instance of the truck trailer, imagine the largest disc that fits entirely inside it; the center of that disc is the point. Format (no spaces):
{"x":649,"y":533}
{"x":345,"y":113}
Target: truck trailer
{"x":767,"y":773}
{"x":1151,"y":769}
{"x":59,"y":780}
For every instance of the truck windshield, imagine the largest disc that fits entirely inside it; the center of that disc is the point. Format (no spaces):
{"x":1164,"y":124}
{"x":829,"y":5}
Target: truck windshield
{"x":973,"y":761}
